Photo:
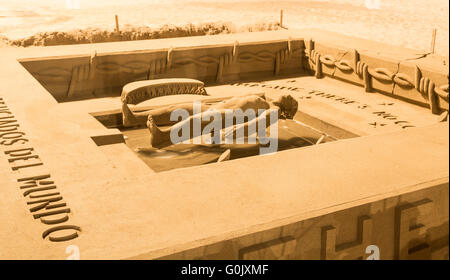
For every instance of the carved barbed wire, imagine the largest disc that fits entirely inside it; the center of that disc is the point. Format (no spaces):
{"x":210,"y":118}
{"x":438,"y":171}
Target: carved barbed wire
{"x":381,"y":74}
{"x":386,"y":76}
{"x":330,"y":61}
{"x":202,"y":61}
{"x":427,"y":88}
{"x":132,"y":67}
{"x":262,"y":56}
{"x":362,"y":70}
{"x":423,"y":85}
{"x":283,"y":56}
{"x":80,"y":73}
{"x":83,"y":74}
{"x":279,"y":58}
{"x":227,"y":59}
{"x":314,"y":59}
{"x":221,"y":62}
{"x":310,"y":48}
{"x":403,"y":80}
{"x":386,"y":117}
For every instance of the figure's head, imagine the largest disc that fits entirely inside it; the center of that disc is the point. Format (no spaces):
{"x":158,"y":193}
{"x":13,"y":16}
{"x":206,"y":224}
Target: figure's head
{"x":288,"y":105}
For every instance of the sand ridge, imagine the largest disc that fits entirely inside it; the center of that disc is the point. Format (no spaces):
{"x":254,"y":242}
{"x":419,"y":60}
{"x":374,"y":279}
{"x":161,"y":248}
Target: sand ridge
{"x":402,"y":22}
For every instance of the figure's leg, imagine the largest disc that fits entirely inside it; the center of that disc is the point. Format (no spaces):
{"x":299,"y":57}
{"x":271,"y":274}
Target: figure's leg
{"x":158,"y":137}
{"x":162,"y":115}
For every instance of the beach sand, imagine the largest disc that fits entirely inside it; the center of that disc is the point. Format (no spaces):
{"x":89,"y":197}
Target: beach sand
{"x":406,"y":23}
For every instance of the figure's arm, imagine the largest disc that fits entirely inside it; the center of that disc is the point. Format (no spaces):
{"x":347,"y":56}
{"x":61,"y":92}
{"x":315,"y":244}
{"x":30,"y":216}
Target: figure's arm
{"x":265,"y":118}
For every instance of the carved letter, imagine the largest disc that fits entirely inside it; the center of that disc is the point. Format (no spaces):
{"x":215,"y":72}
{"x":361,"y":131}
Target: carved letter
{"x":351,"y":250}
{"x":411,"y":235}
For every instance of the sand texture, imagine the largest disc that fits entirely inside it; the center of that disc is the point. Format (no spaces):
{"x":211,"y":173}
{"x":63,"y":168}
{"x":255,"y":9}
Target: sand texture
{"x":406,"y":23}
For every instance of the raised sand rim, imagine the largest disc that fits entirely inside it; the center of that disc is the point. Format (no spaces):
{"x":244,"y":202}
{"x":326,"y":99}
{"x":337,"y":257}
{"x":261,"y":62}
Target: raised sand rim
{"x":119,"y":208}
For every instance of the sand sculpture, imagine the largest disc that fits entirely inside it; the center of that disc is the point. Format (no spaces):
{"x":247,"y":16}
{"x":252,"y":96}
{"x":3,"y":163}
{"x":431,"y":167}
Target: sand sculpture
{"x":385,"y":192}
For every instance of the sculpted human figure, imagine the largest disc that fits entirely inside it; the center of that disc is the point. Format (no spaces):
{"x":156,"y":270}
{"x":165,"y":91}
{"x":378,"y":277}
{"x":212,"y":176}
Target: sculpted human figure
{"x":285,"y":105}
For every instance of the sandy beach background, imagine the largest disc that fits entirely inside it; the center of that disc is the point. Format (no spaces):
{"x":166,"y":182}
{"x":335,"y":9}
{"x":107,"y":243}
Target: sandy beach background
{"x":407,"y":23}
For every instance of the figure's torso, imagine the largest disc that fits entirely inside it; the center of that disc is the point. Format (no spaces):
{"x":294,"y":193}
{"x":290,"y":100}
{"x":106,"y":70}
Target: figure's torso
{"x":244,"y":103}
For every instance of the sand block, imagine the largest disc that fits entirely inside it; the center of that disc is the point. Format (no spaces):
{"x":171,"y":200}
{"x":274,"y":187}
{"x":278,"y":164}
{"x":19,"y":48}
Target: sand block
{"x":388,"y":188}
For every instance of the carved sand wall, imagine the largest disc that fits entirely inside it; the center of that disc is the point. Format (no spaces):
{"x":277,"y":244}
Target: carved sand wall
{"x":398,"y":216}
{"x":97,"y":75}
{"x":140,"y":91}
{"x":410,"y":226}
{"x":410,"y":79}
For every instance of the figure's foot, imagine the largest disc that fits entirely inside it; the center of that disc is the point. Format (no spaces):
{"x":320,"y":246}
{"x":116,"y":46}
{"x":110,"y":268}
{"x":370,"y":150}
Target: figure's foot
{"x":156,"y":134}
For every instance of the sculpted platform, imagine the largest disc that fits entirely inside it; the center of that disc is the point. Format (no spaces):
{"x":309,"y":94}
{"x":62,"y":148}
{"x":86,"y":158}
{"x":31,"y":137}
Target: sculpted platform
{"x":368,"y":175}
